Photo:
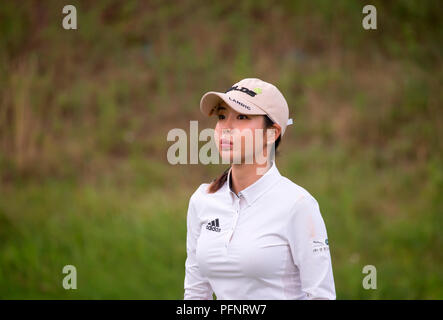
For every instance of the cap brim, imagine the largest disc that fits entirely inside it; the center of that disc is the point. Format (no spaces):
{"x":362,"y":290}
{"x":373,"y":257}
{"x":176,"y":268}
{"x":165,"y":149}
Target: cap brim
{"x":211,"y":99}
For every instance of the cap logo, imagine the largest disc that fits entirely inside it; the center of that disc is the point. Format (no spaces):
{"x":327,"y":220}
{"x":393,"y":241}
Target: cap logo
{"x":257,"y":90}
{"x":240,"y":103}
{"x":245,"y":90}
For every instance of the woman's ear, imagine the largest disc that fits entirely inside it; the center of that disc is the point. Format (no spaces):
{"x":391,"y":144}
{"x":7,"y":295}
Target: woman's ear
{"x":272,"y":133}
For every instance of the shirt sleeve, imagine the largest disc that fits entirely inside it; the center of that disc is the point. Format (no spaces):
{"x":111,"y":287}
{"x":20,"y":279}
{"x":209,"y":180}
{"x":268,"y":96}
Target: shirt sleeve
{"x":196,"y":286}
{"x":309,"y":246}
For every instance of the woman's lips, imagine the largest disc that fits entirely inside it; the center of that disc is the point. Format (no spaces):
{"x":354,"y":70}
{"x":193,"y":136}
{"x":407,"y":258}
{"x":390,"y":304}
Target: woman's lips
{"x":225,"y":144}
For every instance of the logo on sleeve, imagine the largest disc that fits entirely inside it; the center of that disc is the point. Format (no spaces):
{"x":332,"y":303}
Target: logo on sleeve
{"x":319,"y":246}
{"x":213,"y":225}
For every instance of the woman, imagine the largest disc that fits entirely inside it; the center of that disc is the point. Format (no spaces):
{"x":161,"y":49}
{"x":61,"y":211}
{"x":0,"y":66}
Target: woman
{"x":252,"y":233}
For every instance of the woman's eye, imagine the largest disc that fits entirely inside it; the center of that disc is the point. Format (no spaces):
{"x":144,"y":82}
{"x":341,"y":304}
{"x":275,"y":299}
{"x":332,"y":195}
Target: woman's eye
{"x":242,"y":116}
{"x":220,"y":117}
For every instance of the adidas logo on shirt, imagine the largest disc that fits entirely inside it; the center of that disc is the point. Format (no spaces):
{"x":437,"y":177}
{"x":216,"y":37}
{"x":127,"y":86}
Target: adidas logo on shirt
{"x":213,"y":225}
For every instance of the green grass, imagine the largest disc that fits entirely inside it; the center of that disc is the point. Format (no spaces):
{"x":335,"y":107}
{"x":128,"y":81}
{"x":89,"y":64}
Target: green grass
{"x":124,"y":243}
{"x":127,"y":238}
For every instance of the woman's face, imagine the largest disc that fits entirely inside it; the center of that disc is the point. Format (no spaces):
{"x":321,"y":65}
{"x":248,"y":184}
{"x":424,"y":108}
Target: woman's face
{"x":238,"y":136}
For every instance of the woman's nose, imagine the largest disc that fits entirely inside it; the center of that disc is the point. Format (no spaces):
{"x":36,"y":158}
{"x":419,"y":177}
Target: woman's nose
{"x":226,"y":128}
{"x":228,"y":122}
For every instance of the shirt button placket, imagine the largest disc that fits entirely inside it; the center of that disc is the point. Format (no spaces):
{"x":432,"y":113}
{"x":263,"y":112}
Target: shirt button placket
{"x":234,"y":224}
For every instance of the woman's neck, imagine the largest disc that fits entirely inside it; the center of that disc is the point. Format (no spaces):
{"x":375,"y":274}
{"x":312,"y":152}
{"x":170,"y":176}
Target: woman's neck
{"x":243,"y":175}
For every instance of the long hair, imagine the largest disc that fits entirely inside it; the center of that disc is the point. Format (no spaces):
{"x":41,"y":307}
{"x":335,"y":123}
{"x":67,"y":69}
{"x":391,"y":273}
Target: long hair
{"x":217,"y":183}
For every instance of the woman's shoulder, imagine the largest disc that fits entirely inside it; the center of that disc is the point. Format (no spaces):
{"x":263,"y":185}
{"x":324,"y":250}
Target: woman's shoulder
{"x":201,"y":191}
{"x":296,"y":192}
{"x":200,"y":197}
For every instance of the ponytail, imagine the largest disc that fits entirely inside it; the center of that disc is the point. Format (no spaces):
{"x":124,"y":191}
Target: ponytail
{"x":218,"y":182}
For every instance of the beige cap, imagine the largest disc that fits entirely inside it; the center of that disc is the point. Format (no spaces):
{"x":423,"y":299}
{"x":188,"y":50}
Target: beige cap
{"x":251,"y":96}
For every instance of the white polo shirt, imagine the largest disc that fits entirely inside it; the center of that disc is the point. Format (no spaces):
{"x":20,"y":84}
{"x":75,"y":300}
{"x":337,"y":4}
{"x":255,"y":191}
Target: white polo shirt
{"x":269,"y":242}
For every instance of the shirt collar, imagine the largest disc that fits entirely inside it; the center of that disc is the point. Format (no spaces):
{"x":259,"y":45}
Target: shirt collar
{"x":255,"y":190}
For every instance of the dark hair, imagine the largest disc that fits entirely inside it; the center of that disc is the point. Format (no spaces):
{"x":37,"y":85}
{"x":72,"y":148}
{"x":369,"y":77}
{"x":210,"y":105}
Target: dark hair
{"x":218,"y":182}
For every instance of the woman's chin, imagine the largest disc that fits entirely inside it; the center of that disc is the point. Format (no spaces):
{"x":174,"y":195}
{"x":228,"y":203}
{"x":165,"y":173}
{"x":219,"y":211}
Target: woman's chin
{"x":229,"y":156}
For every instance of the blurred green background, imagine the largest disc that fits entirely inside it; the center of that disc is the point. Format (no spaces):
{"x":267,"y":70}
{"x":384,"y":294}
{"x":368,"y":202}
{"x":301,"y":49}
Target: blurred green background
{"x":84,"y":116}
